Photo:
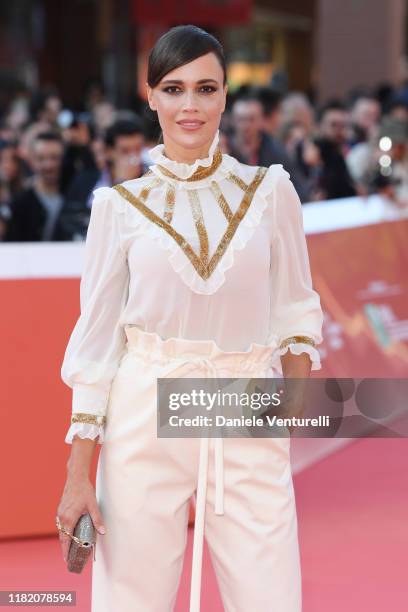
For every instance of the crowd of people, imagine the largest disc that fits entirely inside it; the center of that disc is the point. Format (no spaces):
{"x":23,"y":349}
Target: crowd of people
{"x":52,"y":158}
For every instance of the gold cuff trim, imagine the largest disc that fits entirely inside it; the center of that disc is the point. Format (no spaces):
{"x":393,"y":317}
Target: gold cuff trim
{"x":83,"y":417}
{"x":297,"y":339}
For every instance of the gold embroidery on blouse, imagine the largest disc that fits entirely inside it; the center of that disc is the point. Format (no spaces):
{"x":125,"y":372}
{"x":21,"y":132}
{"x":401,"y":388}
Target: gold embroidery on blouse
{"x":219,"y":196}
{"x":202,"y":172}
{"x":203,"y":268}
{"x":237,"y":218}
{"x":170,"y":201}
{"x":83,"y":417}
{"x":144,"y":194}
{"x":199,"y":223}
{"x":181,"y":241}
{"x":296,"y":339}
{"x":237,"y":180}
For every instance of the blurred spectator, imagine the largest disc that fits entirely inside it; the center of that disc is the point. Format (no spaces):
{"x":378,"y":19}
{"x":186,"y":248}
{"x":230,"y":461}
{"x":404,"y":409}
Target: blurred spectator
{"x":25,"y":144}
{"x":11,"y":174}
{"x":334,"y":130}
{"x":365,"y":116}
{"x":5,"y":211}
{"x":125,"y":142}
{"x":225,"y":141}
{"x":117,"y":158}
{"x":389,"y":176}
{"x":295,"y":133}
{"x":250,"y":143}
{"x":76,"y":133}
{"x":7,"y":133}
{"x":103,"y":115}
{"x":305,"y":156}
{"x":297,"y":108}
{"x":94,"y":94}
{"x":45,"y":106}
{"x":271,"y":102}
{"x":35,"y":211}
{"x":11,"y":180}
{"x":17,"y":116}
{"x":398,"y":109}
{"x":335,"y":125}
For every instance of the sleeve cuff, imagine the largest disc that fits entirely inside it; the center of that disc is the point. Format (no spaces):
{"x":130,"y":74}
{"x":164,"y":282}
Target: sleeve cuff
{"x":85,"y":430}
{"x":296,"y":345}
{"x":90,"y":399}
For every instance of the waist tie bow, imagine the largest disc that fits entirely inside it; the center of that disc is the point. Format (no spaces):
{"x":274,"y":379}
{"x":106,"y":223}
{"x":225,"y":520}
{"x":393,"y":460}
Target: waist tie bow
{"x":183,"y":366}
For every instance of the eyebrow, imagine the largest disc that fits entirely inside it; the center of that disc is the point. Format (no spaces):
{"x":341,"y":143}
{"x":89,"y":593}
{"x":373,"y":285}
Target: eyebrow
{"x":179,"y":82}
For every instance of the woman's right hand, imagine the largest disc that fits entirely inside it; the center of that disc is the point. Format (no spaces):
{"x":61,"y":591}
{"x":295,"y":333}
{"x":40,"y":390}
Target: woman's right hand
{"x":78,"y":498}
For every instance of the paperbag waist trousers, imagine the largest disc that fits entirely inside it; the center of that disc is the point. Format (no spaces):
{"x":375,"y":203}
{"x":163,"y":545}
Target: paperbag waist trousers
{"x":245,"y":503}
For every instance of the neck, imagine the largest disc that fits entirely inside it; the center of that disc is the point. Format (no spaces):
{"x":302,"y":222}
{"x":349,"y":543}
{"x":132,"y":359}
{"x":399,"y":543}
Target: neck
{"x":45,"y":187}
{"x":178,"y":153}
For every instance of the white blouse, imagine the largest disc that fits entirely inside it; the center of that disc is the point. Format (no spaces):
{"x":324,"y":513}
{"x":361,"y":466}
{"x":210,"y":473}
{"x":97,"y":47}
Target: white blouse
{"x":214,"y":250}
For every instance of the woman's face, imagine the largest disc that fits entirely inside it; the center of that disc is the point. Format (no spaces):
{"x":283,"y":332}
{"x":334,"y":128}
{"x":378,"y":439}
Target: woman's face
{"x":189,"y":102}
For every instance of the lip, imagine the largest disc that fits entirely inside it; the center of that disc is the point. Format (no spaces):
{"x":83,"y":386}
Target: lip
{"x":191,"y":124}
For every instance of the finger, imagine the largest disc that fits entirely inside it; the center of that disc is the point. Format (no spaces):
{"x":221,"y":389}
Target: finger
{"x":65,"y":548}
{"x":65,"y":539}
{"x":96,"y":517}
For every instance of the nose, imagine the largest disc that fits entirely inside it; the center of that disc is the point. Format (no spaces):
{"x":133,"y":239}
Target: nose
{"x":189,"y":101}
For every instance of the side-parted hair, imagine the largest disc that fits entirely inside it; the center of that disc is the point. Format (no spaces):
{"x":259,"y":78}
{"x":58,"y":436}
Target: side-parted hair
{"x":181,"y":45}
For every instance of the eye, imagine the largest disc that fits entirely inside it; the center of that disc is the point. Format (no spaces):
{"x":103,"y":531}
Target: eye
{"x":175,"y":89}
{"x":208,"y":88}
{"x":172,"y":89}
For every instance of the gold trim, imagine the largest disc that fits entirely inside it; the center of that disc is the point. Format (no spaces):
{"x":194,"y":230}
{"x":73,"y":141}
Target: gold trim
{"x":219,"y":196}
{"x":92,"y":419}
{"x":237,"y":180}
{"x":201,"y":173}
{"x":297,"y":339}
{"x":148,"y":172}
{"x":170,"y":201}
{"x":203,"y":269}
{"x":237,"y":218}
{"x":144,"y":194}
{"x":199,"y":223}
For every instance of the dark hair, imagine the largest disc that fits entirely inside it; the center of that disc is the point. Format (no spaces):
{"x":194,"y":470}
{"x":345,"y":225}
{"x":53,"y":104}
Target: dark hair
{"x":336,"y":105}
{"x":248,"y":94}
{"x":123,"y":127}
{"x":268,"y":97}
{"x":39,"y":100}
{"x":48,"y":136}
{"x":181,"y":45}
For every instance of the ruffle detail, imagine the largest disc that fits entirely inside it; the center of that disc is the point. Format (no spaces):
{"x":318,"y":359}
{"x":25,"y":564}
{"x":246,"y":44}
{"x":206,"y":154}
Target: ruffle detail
{"x":182,"y":170}
{"x":296,"y":348}
{"x":85,"y":430}
{"x":176,"y":256}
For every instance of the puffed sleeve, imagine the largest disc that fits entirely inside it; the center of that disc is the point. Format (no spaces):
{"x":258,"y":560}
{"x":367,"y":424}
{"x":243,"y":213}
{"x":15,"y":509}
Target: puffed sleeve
{"x":296,"y":316}
{"x":97,"y":341}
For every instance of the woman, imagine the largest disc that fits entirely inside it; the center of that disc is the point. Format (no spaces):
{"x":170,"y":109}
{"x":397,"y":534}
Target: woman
{"x":200,"y":267}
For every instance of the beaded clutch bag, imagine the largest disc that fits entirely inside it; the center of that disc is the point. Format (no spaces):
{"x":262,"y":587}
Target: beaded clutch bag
{"x":83,"y":541}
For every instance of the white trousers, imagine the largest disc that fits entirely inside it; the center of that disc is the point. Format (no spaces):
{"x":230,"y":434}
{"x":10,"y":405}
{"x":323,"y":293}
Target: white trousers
{"x":245,"y":503}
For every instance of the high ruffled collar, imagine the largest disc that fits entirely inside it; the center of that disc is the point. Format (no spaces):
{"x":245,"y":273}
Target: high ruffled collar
{"x":180,"y":169}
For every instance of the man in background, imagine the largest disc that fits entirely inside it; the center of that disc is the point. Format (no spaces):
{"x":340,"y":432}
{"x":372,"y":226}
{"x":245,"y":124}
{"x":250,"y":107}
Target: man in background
{"x":118,"y":158}
{"x":251,"y":143}
{"x":36,"y":210}
{"x":332,"y":142}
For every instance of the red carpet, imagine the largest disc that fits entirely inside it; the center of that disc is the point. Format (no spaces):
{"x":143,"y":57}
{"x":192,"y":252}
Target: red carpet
{"x":353,"y":524}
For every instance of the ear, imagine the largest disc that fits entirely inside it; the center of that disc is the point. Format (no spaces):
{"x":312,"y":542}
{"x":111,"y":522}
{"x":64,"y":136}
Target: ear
{"x":225,"y":96}
{"x":150,"y":97}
